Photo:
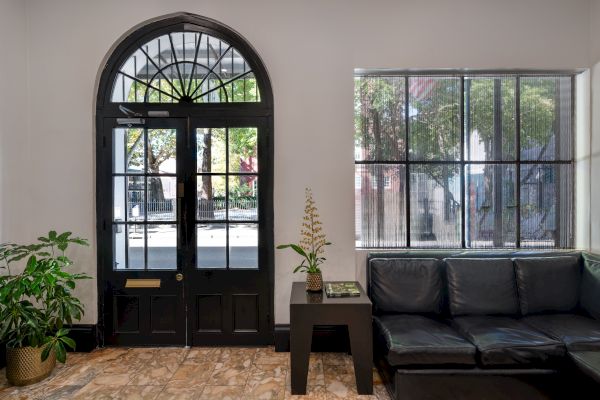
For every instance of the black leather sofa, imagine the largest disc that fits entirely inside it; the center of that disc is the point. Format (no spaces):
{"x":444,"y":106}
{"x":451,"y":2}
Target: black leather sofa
{"x":486,"y":325}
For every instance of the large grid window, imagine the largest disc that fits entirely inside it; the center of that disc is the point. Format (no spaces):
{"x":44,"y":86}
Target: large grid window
{"x":464,"y":161}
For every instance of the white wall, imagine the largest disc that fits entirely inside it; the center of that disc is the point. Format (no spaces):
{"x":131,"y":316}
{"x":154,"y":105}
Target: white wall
{"x":13,"y":118}
{"x":595,"y":124}
{"x":310,"y":49}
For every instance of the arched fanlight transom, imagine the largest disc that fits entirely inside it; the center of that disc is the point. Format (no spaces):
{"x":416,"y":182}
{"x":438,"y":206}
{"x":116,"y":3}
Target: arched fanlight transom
{"x":185,"y":67}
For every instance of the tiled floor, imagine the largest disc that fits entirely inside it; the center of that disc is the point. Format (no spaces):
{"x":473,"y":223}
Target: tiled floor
{"x":196,"y":373}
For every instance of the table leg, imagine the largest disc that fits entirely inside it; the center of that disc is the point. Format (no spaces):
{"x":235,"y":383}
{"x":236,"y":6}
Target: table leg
{"x":300,"y":343}
{"x":361,"y":344}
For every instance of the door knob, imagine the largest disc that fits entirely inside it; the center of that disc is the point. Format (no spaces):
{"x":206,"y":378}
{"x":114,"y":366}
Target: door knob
{"x":179,"y":277}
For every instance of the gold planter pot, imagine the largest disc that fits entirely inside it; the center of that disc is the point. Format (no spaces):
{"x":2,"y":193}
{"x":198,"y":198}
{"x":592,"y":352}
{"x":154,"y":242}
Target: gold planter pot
{"x":314,"y":281}
{"x":24,"y":365}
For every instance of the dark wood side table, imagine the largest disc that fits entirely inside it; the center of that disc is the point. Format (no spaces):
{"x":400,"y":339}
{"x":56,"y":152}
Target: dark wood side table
{"x":308,"y":309}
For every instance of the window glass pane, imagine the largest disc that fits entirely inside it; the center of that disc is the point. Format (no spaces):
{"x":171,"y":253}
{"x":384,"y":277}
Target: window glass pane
{"x":546,"y":205}
{"x":119,"y":258}
{"x":136,"y":210}
{"x":491,"y":205}
{"x":211,"y":197}
{"x":174,"y":67}
{"x":435,"y":206}
{"x":490,"y":118}
{"x":136,"y":247}
{"x":243,"y":246}
{"x":162,"y":246}
{"x":210,"y":145}
{"x":119,"y":198}
{"x":379,"y":118}
{"x":434,"y":118}
{"x":546,"y":118}
{"x":243,"y":155}
{"x":380,"y":199}
{"x":162,"y":148}
{"x":211,"y":242}
{"x":243,"y":198}
{"x":162,"y":202}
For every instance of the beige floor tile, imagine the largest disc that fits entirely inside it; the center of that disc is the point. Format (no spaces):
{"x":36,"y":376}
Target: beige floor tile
{"x":223,"y":393}
{"x":175,"y":391}
{"x":131,"y":392}
{"x":337,"y":359}
{"x":269,"y":356}
{"x":152,"y":375}
{"x":177,"y":373}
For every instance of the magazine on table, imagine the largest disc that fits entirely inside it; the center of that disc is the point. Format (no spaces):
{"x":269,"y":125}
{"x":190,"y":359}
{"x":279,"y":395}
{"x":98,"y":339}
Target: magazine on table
{"x":342,"y":289}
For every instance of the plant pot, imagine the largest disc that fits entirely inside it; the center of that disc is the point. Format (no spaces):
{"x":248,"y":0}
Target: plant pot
{"x":314,"y":282}
{"x":24,"y":365}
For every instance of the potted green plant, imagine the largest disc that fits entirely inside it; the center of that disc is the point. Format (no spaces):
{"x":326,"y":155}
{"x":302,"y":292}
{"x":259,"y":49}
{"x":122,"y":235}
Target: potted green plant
{"x":36,"y":305}
{"x":312,"y":245}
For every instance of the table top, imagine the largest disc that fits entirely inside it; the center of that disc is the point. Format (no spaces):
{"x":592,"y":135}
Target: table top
{"x":301,"y":297}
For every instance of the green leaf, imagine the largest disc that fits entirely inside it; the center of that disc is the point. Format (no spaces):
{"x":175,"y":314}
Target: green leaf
{"x":46,"y":351}
{"x":69,"y":342}
{"x":52,"y":235}
{"x":61,"y":352}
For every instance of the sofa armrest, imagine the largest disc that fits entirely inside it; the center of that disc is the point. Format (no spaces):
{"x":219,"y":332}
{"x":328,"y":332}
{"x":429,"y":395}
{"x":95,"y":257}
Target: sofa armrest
{"x":590,"y":285}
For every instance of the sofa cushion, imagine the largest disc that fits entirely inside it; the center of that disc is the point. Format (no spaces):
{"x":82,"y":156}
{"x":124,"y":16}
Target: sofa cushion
{"x":419,"y":340}
{"x":481,"y":286}
{"x":504,"y":341}
{"x":409,"y":285}
{"x":588,"y":362}
{"x":590,"y":285}
{"x":577,"y":332}
{"x":548,"y":283}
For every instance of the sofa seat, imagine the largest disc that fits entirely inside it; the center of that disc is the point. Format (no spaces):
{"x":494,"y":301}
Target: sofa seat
{"x":588,"y":362}
{"x":505,"y":341}
{"x":577,"y":332}
{"x":419,"y":340}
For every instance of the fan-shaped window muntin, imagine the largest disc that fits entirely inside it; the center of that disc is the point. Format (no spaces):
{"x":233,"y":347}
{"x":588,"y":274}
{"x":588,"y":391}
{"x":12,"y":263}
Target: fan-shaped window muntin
{"x":185,"y":67}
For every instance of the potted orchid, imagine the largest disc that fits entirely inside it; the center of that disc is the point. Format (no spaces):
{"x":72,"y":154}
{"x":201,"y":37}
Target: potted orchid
{"x":312,"y":245}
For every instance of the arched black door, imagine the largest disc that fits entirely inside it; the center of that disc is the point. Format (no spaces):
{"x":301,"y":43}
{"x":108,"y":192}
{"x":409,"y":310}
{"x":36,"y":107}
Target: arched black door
{"x":184,"y":176}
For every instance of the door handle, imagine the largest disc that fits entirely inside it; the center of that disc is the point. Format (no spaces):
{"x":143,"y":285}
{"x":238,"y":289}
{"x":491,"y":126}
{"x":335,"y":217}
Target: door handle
{"x":179,"y":277}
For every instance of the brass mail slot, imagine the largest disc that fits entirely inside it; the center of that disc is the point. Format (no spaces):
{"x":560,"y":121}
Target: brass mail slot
{"x":142,"y":283}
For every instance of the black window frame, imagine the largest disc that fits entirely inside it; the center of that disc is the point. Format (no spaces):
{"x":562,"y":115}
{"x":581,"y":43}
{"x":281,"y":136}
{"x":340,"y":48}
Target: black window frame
{"x":463,"y":162}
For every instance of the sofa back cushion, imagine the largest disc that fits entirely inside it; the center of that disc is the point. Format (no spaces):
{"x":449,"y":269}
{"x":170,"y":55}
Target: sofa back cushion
{"x":548,"y":284}
{"x":482,"y":286}
{"x":406,"y":285}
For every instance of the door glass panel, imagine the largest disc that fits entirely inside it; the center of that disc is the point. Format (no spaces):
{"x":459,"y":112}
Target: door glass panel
{"x":135,"y":198}
{"x":211,"y":198}
{"x":135,"y":247}
{"x":144,"y":191}
{"x":119,"y":244}
{"x":211,"y":245}
{"x":243,"y":198}
{"x":162,"y":246}
{"x":128,"y":150}
{"x":211,"y":148}
{"x":161,"y":204}
{"x":161,"y":151}
{"x":242,"y":150}
{"x":227,"y":191}
{"x":119,"y":198}
{"x":243,"y":246}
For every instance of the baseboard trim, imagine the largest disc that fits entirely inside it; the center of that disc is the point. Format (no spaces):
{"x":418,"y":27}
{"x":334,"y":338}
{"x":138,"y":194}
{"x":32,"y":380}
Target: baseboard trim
{"x":85,"y":337}
{"x":326,"y":338}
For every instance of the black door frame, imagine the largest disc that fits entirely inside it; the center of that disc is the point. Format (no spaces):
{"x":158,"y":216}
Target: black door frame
{"x":204,"y":111}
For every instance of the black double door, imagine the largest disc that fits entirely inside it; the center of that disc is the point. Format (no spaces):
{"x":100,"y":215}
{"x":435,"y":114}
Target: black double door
{"x":188,"y":242}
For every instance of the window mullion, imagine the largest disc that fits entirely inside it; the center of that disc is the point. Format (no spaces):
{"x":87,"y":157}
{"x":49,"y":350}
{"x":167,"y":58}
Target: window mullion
{"x":518,"y":160}
{"x":462,"y":164}
{"x":406,"y":162}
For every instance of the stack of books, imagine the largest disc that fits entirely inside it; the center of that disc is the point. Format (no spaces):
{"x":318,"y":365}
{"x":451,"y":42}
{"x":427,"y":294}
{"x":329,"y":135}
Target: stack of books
{"x":342,"y":289}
